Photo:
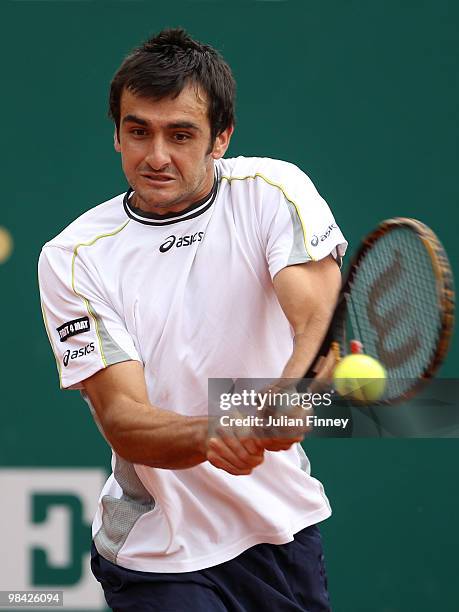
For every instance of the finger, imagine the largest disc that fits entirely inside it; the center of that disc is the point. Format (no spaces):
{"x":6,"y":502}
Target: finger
{"x":224,"y":447}
{"x":236,"y":453}
{"x":252,"y":445}
{"x":275,"y":447}
{"x":324,"y":372}
{"x":246,"y":436}
{"x":246,"y":450}
{"x":286,"y":433}
{"x":276,"y":444}
{"x":217,"y":461}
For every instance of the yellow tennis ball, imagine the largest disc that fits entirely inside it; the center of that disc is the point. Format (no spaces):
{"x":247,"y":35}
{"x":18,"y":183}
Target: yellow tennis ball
{"x":360,"y":377}
{"x":6,"y":244}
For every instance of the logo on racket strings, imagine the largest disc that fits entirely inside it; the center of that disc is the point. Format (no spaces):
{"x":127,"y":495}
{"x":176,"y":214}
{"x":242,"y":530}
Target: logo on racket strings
{"x":394,"y":316}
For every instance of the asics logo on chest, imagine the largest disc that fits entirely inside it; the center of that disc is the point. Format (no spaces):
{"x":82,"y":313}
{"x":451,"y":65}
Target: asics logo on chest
{"x":182,"y":241}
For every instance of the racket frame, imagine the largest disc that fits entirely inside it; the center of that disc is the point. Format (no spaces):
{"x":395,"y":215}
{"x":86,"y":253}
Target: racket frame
{"x":335,"y":337}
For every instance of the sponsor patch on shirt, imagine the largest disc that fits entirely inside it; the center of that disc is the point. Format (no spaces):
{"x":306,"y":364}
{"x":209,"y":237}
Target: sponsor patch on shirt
{"x":72,"y":328}
{"x":179,"y":242}
{"x":77,"y":353}
{"x":316,"y":239}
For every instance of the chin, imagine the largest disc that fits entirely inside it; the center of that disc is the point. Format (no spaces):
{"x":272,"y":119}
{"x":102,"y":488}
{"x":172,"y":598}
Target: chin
{"x":153,"y":198}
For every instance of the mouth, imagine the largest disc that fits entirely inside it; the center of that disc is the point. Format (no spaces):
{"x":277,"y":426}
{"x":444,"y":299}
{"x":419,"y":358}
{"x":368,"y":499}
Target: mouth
{"x":156,"y":179}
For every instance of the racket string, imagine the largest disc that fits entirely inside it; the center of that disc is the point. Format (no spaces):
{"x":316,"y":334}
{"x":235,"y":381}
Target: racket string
{"x":355,"y":327}
{"x":393,"y":305}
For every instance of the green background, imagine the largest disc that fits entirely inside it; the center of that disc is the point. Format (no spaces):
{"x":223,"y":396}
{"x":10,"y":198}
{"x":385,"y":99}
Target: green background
{"x":362,"y":95}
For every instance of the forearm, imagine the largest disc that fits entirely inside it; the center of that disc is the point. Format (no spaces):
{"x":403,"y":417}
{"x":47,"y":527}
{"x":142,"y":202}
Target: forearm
{"x":144,"y":434}
{"x":307,"y":294}
{"x":147,"y":435}
{"x":307,"y":341}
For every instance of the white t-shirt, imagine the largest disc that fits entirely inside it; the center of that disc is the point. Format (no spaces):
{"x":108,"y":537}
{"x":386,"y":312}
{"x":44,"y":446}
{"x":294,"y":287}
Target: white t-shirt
{"x":190,"y":295}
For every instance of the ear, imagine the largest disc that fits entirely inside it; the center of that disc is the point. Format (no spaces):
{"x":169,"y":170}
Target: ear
{"x":222,"y":142}
{"x":116,"y":142}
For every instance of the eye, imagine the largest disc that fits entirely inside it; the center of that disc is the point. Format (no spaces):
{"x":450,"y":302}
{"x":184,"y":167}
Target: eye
{"x":181,"y":137}
{"x":138,"y":132}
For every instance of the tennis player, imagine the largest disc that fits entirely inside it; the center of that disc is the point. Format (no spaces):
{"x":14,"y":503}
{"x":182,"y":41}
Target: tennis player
{"x":206,"y":267}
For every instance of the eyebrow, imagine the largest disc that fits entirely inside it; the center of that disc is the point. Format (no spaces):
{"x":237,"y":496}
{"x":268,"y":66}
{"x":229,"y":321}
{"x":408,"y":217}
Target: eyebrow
{"x":172,"y":126}
{"x":134,"y":119}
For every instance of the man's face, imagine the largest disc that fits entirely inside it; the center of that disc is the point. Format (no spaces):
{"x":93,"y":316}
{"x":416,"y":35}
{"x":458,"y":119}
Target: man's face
{"x":164,"y":145}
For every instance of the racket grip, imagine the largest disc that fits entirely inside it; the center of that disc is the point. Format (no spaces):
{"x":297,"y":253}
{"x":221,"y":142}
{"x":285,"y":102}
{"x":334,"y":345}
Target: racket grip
{"x":324,"y":348}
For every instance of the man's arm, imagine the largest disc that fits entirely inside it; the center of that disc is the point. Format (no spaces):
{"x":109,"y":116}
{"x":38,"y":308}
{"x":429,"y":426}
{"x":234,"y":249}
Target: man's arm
{"x":307,"y":294}
{"x":145,"y":434}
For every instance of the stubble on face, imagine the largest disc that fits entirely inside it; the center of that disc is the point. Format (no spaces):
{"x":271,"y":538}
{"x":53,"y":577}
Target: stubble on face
{"x":165,"y":150}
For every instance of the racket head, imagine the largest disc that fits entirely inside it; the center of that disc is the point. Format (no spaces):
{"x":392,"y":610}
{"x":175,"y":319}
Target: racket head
{"x":398,"y":300}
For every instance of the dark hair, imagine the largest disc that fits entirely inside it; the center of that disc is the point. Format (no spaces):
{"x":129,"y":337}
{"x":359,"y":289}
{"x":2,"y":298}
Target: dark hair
{"x":165,"y":64}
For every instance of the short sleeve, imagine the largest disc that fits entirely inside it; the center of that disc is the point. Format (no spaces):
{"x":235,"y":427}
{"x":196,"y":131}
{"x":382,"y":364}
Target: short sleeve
{"x":85,"y":332}
{"x":297,"y":223}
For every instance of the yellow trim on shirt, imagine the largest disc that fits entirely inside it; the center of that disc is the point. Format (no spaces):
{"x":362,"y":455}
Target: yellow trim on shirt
{"x":85,"y":300}
{"x":282,"y":189}
{"x":45,"y":319}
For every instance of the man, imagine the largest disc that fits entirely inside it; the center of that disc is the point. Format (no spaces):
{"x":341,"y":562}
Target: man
{"x":207,"y":267}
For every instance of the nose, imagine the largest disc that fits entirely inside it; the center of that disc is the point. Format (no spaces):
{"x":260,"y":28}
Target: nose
{"x":158,"y":155}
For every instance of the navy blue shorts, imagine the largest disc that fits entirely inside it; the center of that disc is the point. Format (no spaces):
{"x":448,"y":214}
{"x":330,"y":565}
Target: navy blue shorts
{"x":279,"y":578}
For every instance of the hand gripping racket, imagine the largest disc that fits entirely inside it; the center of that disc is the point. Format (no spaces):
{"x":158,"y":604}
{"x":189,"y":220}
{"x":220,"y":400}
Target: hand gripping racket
{"x":398,"y":301}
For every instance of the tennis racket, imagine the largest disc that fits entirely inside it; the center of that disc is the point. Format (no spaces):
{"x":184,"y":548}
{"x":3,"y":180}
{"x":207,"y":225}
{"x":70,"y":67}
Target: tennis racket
{"x":397,"y":300}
